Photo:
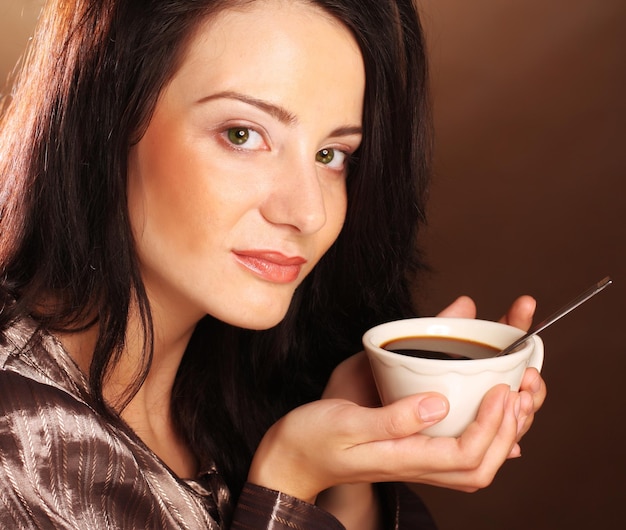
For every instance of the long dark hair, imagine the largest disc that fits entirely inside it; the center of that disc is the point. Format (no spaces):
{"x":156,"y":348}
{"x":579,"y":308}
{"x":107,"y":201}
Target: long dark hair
{"x":89,"y":86}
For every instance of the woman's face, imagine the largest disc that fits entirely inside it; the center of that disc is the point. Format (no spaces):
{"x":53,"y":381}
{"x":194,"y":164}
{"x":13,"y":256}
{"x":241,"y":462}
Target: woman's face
{"x":237,"y":188}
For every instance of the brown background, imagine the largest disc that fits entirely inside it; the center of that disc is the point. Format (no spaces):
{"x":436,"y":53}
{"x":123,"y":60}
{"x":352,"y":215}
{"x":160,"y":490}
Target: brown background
{"x":529,"y":197}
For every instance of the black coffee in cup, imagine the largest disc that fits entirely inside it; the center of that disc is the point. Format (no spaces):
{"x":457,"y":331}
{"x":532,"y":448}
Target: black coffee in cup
{"x":440,"y":347}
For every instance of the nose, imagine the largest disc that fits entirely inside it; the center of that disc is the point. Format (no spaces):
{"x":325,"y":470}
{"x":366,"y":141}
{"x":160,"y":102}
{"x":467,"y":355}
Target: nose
{"x":296,"y":198}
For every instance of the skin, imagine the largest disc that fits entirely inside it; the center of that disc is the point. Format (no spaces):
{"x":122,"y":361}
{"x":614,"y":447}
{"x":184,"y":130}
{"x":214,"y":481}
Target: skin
{"x":200,"y":202}
{"x":235,"y":192}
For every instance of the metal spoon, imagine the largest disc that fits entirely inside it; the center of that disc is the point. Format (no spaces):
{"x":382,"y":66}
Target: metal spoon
{"x":583,"y":297}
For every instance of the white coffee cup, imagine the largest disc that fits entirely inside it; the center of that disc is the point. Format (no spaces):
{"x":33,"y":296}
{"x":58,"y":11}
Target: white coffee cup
{"x":463,"y":382}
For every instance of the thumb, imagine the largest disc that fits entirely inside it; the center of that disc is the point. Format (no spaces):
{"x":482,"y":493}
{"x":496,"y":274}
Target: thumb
{"x":407,"y":416}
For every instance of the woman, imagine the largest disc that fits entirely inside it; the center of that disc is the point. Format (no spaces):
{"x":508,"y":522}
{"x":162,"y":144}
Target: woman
{"x":204,"y":204}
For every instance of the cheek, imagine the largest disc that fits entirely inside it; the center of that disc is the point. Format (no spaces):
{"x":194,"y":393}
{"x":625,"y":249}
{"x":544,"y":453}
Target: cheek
{"x":336,"y":208}
{"x":152,"y":190}
{"x":164,"y":187}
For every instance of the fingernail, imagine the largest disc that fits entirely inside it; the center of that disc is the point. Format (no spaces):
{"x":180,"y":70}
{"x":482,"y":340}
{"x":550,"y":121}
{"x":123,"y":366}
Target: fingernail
{"x":432,"y":408}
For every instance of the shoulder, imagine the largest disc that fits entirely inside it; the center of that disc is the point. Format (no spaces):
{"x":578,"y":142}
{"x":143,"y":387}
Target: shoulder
{"x":42,"y":407}
{"x":45,"y":430}
{"x":63,"y":463}
{"x":39,"y":402}
{"x":37,"y":424}
{"x":27,"y":349}
{"x":58,"y":460}
{"x":29,"y":404}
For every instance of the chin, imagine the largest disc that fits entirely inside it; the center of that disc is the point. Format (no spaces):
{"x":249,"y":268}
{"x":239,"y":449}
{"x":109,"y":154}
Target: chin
{"x":255,"y":319}
{"x":262,"y":324}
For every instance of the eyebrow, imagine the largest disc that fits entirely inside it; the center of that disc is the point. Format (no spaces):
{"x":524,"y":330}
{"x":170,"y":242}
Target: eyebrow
{"x":276,"y":111}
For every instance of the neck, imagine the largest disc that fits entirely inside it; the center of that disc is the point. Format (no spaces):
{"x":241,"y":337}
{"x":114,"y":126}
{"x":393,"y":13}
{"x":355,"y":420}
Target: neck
{"x":148,"y":413}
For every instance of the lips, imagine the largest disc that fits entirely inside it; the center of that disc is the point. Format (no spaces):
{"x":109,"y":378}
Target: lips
{"x":271,"y":266}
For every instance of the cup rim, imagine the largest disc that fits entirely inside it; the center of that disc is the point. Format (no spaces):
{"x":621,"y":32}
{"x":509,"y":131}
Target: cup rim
{"x":392,"y":356}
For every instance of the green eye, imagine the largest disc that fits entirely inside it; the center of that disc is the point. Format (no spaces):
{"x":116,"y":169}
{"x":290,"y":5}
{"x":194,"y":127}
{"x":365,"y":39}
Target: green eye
{"x":334,"y":159}
{"x":325,"y":156}
{"x":238,"y":135}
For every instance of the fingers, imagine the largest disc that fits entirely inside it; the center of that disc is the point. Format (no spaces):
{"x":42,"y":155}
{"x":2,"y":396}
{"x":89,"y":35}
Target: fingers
{"x":521,"y":313}
{"x":400,"y":419}
{"x":493,"y":434}
{"x":516,"y":452}
{"x":504,"y":444}
{"x":333,"y":441}
{"x":526,"y":414}
{"x":467,"y":463}
{"x":484,"y":446}
{"x":533,"y":393}
{"x":533,"y":383}
{"x":488,"y":420}
{"x":462,"y":307}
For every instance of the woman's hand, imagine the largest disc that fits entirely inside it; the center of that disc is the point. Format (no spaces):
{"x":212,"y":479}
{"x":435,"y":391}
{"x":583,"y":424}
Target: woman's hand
{"x":334,"y":441}
{"x":347,"y":439}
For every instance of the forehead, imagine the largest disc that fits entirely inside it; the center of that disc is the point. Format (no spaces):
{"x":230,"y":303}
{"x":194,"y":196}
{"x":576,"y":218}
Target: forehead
{"x":237,"y":31}
{"x":271,"y":46}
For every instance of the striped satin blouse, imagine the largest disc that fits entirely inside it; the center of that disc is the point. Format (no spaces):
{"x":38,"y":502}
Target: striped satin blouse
{"x":63,"y":466}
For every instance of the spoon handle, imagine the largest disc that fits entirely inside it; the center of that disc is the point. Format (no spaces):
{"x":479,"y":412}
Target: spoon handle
{"x":583,"y":297}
